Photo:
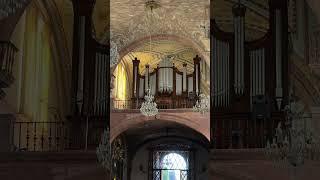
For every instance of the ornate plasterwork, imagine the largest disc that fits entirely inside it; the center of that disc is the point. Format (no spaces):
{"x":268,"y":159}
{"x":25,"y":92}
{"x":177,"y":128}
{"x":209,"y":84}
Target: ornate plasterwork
{"x":161,"y":22}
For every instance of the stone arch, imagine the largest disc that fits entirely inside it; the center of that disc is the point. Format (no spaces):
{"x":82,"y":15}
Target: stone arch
{"x":130,"y":47}
{"x":122,"y":121}
{"x":60,"y":56}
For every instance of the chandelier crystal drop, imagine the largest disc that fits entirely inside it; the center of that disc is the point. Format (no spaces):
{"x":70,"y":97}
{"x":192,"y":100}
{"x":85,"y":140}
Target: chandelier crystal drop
{"x":114,"y":54}
{"x":293,"y":143}
{"x":148,"y":107}
{"x":9,"y":7}
{"x":202,"y":104}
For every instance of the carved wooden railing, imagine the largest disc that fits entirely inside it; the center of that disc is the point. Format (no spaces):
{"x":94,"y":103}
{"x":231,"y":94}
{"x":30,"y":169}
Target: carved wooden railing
{"x":136,"y":104}
{"x":39,"y":136}
{"x":55,"y":136}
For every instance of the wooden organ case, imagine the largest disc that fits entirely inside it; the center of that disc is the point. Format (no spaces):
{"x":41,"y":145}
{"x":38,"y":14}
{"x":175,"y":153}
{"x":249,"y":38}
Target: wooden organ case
{"x":249,"y":81}
{"x":171,"y":87}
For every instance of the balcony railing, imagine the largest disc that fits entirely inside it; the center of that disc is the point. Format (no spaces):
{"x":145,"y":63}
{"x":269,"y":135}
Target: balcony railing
{"x":169,"y":104}
{"x":39,"y":136}
{"x":56,"y":136}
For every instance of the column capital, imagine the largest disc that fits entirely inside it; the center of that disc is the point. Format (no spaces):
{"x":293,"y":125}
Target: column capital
{"x":136,"y":61}
{"x":196,"y":60}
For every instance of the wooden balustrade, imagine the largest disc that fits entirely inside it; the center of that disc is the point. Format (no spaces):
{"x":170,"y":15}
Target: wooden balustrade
{"x":39,"y":136}
{"x":161,"y":104}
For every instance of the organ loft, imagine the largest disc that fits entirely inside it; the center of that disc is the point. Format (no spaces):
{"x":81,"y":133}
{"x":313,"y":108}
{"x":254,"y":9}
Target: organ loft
{"x":249,"y":80}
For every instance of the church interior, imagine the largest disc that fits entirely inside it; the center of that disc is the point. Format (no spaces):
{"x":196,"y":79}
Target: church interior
{"x":160,"y":89}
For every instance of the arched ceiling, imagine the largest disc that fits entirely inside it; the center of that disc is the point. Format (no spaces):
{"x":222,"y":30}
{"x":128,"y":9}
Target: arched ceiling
{"x":159,"y":49}
{"x":177,"y":17}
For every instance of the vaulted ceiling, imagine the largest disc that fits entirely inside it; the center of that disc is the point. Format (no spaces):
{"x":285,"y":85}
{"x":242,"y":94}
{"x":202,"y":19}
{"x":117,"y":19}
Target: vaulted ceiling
{"x":179,"y":17}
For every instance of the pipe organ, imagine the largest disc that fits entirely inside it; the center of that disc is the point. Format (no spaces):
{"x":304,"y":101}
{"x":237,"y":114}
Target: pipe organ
{"x":249,"y":80}
{"x":100,"y":81}
{"x":166,"y":82}
{"x":239,"y":13}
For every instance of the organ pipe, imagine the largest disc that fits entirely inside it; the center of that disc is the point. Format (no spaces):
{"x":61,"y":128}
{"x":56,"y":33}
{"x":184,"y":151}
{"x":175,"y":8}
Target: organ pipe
{"x":278,"y":57}
{"x":221,"y":73}
{"x":136,"y":77}
{"x":239,"y":14}
{"x":257,"y":70}
{"x":184,"y":77}
{"x":82,"y":27}
{"x":147,"y":77}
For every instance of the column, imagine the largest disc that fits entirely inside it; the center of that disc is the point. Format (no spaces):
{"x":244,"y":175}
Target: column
{"x":135,"y":89}
{"x":197,"y":77}
{"x":184,"y":79}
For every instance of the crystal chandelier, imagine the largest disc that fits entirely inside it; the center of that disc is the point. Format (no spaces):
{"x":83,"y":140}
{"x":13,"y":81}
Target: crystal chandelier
{"x":202,"y":104}
{"x":9,"y":7}
{"x":114,"y":54}
{"x":205,"y":25}
{"x":293,"y":143}
{"x":148,"y":107}
{"x":104,"y":150}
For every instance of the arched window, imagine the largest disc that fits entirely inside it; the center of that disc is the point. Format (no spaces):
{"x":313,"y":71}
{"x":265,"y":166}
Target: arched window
{"x":172,"y":165}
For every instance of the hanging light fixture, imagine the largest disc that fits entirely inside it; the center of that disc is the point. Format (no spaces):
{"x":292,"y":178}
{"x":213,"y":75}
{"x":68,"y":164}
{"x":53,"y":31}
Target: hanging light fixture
{"x":9,"y":7}
{"x":293,"y":143}
{"x":104,"y":150}
{"x":205,"y":27}
{"x":149,"y":107}
{"x":202,"y":104}
{"x":114,"y":54}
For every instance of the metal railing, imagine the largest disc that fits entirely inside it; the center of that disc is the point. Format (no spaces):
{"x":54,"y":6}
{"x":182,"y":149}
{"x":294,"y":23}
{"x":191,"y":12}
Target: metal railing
{"x":136,"y":104}
{"x":39,"y":136}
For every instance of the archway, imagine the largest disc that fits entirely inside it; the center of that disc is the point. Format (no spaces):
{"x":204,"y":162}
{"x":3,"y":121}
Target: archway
{"x":121,"y":121}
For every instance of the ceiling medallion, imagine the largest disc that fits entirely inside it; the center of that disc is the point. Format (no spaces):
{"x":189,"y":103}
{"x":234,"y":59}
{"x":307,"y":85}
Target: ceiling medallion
{"x":151,"y":4}
{"x":161,"y":22}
